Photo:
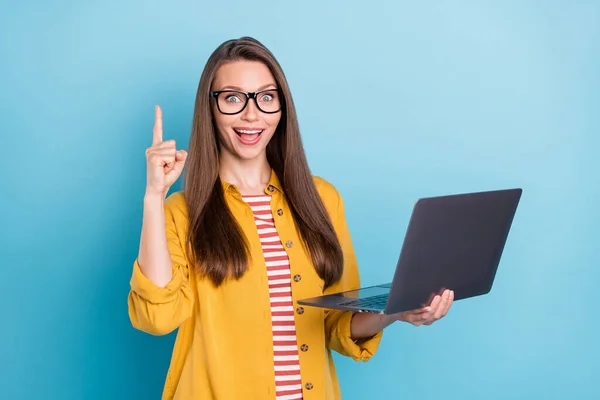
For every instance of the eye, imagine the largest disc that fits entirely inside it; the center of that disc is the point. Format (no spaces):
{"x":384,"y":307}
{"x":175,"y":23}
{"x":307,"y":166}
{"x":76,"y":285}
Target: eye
{"x":232,"y":98}
{"x":267,"y":97}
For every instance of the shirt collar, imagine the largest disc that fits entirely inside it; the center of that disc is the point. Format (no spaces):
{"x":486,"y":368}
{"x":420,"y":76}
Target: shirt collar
{"x":274,"y":184}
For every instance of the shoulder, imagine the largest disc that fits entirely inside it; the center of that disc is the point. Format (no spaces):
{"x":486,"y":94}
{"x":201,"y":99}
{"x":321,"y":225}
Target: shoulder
{"x":324,"y":187}
{"x":329,"y":194}
{"x":176,"y":205}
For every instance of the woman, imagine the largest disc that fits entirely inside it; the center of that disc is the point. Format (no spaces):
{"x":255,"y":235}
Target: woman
{"x":251,"y":233}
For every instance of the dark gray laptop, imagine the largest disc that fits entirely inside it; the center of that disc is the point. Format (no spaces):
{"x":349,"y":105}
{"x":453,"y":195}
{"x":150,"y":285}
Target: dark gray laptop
{"x":452,"y":242}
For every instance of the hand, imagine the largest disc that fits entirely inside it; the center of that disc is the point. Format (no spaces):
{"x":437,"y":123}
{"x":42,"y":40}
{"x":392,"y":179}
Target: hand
{"x":439,"y":307}
{"x":164,"y":162}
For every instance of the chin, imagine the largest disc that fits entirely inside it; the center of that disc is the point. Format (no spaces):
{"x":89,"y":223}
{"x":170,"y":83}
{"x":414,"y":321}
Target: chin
{"x":249,"y":154}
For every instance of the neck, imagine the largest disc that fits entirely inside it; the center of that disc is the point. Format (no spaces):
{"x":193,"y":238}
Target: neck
{"x":249,"y":176}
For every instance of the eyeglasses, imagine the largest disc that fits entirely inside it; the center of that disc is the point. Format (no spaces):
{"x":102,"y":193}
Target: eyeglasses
{"x":231,"y":102}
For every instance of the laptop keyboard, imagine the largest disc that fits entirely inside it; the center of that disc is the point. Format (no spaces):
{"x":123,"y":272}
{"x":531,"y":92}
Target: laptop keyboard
{"x":377,"y":302}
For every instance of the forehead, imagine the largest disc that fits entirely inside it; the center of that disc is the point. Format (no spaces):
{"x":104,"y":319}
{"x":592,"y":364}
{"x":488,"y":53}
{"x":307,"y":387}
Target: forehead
{"x":246,"y":75}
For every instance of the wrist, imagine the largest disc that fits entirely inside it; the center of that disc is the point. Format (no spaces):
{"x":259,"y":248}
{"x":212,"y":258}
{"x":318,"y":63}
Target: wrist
{"x":154,"y":198}
{"x":365,"y":325}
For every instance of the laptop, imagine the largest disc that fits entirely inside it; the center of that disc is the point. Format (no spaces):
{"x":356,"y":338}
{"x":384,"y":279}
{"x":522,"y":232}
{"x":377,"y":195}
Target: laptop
{"x":452,"y":242}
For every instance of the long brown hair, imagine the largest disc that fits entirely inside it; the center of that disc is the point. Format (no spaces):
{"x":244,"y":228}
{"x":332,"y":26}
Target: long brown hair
{"x":216,"y":243}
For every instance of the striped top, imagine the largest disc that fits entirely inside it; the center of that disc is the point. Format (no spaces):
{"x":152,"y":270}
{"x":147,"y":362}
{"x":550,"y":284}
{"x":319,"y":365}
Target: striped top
{"x":288,"y":383}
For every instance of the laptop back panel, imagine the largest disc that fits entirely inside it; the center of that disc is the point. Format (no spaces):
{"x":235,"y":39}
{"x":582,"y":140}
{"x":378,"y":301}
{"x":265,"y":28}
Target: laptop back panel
{"x":452,"y":242}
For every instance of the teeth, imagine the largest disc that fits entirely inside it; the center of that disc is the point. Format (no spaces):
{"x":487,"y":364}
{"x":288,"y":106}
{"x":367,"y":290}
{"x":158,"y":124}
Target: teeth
{"x":249,"y":132}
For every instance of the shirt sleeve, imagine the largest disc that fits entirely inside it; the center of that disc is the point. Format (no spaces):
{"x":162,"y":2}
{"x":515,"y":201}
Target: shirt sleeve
{"x":160,"y":310}
{"x":338,"y":323}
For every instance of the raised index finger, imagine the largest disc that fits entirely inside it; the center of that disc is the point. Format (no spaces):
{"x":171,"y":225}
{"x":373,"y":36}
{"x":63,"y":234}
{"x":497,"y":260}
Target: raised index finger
{"x":158,"y":130}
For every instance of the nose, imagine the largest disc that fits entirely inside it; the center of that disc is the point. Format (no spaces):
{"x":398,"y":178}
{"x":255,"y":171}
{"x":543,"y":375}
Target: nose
{"x":250,"y":114}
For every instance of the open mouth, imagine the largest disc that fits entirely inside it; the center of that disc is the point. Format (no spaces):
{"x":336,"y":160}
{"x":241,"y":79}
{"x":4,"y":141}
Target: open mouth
{"x":249,"y":136}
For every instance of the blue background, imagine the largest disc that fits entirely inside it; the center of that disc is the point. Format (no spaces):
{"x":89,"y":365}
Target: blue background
{"x":396,"y":99}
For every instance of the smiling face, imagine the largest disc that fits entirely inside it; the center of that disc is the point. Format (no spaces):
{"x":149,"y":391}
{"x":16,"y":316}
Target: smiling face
{"x":244,"y":135}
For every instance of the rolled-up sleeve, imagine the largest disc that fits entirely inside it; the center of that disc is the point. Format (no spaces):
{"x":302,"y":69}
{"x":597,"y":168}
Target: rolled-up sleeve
{"x":160,"y":310}
{"x":338,"y":323}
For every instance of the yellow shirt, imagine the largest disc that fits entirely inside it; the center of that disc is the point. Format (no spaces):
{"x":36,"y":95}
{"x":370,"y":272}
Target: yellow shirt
{"x":224,"y":345}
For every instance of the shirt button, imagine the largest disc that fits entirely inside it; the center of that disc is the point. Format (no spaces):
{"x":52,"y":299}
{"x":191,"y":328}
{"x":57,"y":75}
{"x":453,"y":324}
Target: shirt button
{"x":297,"y":278}
{"x":304,"y":347}
{"x":270,"y":188}
{"x":289,"y":243}
{"x":280,"y":212}
{"x":309,"y":386}
{"x":300,"y":310}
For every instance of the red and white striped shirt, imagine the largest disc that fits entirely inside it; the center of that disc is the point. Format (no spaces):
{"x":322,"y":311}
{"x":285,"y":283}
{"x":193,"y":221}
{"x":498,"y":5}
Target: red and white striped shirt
{"x":288,"y":383}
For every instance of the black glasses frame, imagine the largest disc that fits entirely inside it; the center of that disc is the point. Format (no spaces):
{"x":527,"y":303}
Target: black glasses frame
{"x":248,"y":95}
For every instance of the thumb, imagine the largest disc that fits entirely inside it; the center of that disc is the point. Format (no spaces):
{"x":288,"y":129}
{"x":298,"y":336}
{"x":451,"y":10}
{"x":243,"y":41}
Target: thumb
{"x":175,"y":171}
{"x":180,"y":158}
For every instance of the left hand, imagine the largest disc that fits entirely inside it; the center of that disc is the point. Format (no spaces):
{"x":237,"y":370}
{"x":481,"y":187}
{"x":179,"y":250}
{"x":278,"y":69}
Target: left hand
{"x":439,"y":307}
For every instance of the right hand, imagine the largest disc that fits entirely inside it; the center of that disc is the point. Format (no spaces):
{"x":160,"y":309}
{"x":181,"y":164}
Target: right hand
{"x":164,"y":162}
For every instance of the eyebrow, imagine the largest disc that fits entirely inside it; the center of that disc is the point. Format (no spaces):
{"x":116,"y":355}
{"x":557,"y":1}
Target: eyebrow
{"x":242,"y":90}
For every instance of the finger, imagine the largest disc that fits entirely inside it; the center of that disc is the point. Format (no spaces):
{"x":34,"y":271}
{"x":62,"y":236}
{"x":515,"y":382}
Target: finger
{"x":162,"y":153}
{"x":438,"y":305}
{"x":424,"y":319}
{"x":417,"y":316}
{"x":421,"y":318}
{"x":429,"y":315}
{"x":158,"y":133}
{"x":177,"y":168}
{"x":435,"y":303}
{"x":450,"y":302}
{"x":180,"y":157}
{"x":420,"y":311}
{"x":443,"y":305}
{"x":164,"y":162}
{"x":161,"y":158}
{"x":167,"y":144}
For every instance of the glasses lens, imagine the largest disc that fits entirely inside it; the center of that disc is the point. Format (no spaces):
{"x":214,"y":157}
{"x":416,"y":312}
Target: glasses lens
{"x":231,"y":102}
{"x":268,"y":101}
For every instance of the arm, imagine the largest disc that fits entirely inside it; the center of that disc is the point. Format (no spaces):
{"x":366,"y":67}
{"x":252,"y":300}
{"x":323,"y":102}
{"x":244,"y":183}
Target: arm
{"x":346,"y":332}
{"x":160,"y":298}
{"x":154,"y":259}
{"x":364,"y":326}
